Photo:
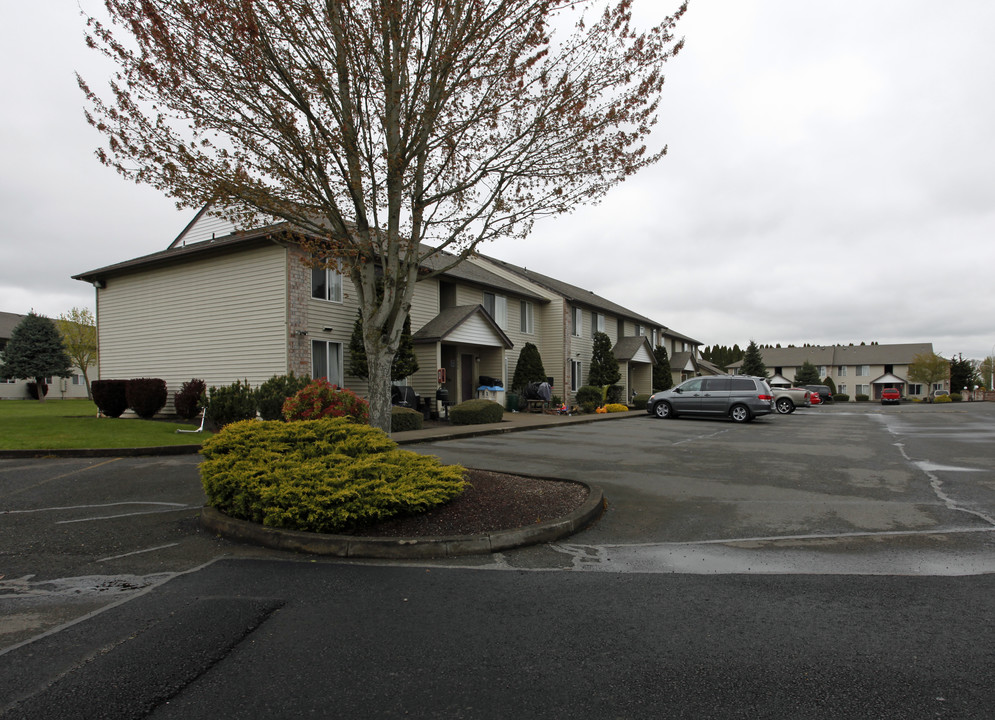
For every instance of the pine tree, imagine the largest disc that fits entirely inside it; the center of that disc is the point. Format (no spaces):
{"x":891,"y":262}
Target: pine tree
{"x":753,"y":363}
{"x":529,"y":368}
{"x":663,"y":378}
{"x":34,"y":351}
{"x":604,"y":366}
{"x":808,"y":374}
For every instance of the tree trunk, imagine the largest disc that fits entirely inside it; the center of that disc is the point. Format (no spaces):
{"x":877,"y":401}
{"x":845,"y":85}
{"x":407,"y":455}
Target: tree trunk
{"x":379,"y":364}
{"x":40,"y":388}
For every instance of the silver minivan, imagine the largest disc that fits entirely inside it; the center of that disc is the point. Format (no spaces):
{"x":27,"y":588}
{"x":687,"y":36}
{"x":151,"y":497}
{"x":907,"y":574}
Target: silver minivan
{"x":740,"y":397}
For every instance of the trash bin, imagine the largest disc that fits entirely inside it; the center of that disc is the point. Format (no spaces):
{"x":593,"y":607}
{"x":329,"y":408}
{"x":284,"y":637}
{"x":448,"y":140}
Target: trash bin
{"x":512,"y":405}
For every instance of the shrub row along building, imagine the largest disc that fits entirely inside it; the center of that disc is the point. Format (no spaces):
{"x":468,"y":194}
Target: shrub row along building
{"x":222,"y":305}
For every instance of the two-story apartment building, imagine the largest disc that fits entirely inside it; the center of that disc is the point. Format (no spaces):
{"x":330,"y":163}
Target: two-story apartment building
{"x":221,"y":305}
{"x":854,"y":369}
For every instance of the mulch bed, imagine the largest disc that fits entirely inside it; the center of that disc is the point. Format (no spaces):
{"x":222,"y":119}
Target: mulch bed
{"x":492,"y":501}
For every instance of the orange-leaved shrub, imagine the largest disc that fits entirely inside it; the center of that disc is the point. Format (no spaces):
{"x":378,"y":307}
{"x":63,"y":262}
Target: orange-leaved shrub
{"x":321,"y":399}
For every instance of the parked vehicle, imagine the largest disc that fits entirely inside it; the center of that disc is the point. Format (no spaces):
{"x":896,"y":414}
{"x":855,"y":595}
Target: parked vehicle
{"x":815,"y":398}
{"x":890,"y":396}
{"x":825,"y":394}
{"x":786,"y":400}
{"x":739,"y":397}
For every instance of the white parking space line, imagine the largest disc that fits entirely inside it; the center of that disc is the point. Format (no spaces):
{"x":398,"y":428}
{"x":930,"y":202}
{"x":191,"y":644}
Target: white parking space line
{"x":84,"y":507}
{"x":134,"y":514}
{"x":138,"y":552}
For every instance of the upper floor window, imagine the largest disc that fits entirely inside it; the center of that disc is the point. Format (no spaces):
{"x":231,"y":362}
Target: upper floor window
{"x":822,"y":371}
{"x":597,"y":323}
{"x":640,"y":330}
{"x":497,"y":307}
{"x":863,"y":370}
{"x":576,"y":322}
{"x":528,"y":317}
{"x":326,"y":285}
{"x":841,"y":371}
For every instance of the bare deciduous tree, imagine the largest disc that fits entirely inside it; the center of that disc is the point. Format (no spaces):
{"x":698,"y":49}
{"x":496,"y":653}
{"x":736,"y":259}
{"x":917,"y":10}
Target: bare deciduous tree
{"x":383,"y":131}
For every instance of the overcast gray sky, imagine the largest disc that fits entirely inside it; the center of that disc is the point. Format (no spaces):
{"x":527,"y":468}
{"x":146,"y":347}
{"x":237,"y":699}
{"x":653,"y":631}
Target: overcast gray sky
{"x":829,"y":178}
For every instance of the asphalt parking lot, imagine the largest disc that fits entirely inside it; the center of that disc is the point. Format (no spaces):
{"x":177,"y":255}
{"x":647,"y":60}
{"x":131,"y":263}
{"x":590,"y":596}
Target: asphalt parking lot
{"x":838,"y":490}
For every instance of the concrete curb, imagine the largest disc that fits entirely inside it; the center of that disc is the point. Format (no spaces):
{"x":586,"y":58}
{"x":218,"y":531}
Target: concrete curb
{"x":459,"y":432}
{"x":393,"y":548}
{"x":102,"y":452}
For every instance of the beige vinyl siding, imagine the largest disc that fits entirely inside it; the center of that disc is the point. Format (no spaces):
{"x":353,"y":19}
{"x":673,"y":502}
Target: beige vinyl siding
{"x":475,"y":331}
{"x":206,"y":228}
{"x":220,"y":319}
{"x":425,"y":380}
{"x":424,"y":303}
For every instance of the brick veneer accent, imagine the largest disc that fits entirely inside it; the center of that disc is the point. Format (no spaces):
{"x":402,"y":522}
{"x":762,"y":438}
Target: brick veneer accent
{"x":299,"y":290}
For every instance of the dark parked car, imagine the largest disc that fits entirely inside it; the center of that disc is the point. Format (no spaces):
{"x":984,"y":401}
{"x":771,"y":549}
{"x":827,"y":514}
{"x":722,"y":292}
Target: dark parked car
{"x":890,"y":396}
{"x":825,"y":394}
{"x":739,"y":397}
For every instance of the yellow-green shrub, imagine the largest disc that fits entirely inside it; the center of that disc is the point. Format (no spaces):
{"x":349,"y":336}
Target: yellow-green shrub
{"x":327,"y":475}
{"x":616,"y":407}
{"x":942,"y":399}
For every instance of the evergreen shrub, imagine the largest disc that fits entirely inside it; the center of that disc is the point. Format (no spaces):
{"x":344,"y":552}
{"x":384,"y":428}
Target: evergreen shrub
{"x":614,"y":394}
{"x":528,"y":369}
{"x":231,"y":403}
{"x":319,"y":398}
{"x":272,"y":394}
{"x":109,"y":397}
{"x":956,"y":397}
{"x":328,"y":475}
{"x":640,"y":401}
{"x":33,"y":390}
{"x":146,"y":396}
{"x":589,"y":398}
{"x":861,"y":398}
{"x":943,"y":399}
{"x":841,"y":397}
{"x":476,"y":412}
{"x":188,"y":401}
{"x":402,"y":418}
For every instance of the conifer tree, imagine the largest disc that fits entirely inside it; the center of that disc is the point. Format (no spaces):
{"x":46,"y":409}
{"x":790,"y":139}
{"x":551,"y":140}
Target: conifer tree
{"x":604,"y":366}
{"x":34,"y":351}
{"x":808,"y":374}
{"x":753,"y":362}
{"x":663,"y":378}
{"x":529,"y":368}
{"x":404,"y":364}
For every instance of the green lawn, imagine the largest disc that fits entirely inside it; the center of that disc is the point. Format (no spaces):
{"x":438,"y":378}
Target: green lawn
{"x":58,"y":424}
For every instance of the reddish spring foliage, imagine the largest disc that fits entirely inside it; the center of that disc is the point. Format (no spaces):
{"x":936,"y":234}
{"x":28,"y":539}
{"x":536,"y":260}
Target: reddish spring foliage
{"x":319,"y":399}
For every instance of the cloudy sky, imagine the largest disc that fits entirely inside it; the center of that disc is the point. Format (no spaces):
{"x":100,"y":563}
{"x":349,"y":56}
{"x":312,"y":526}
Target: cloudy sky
{"x":830,"y":178}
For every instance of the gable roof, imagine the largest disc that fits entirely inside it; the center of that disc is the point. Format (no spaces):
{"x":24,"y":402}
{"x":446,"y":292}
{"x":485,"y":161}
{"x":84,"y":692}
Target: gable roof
{"x":684,"y":361}
{"x":892,"y":354}
{"x":447,"y":321}
{"x":626,"y":348}
{"x":9,"y":321}
{"x":279,"y":233}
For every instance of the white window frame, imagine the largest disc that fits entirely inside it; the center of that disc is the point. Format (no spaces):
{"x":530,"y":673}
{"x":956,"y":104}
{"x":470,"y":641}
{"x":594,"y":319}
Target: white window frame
{"x":863,"y":390}
{"x":842,"y":388}
{"x":328,"y":347}
{"x":576,"y":375}
{"x":577,"y":321}
{"x":915,"y":389}
{"x":863,"y":370}
{"x":497,"y":307}
{"x":597,"y":323}
{"x":528,"y":318}
{"x":822,"y":371}
{"x":841,"y":371}
{"x":332,"y":285}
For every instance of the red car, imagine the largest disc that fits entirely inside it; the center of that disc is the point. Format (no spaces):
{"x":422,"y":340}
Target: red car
{"x":815,"y":398}
{"x":890,"y":396}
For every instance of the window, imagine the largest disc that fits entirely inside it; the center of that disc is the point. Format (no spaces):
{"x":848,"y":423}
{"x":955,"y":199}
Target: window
{"x":640,"y":330}
{"x":326,"y":285}
{"x":77,"y":379}
{"x":863,"y":389}
{"x":497,"y":307}
{"x":842,"y":387}
{"x":654,"y":339}
{"x":528,"y":317}
{"x":326,"y":361}
{"x":841,"y":371}
{"x":822,"y":371}
{"x":863,"y":370}
{"x":576,"y":322}
{"x":597,"y":323}
{"x":915,"y":389}
{"x":576,"y":379}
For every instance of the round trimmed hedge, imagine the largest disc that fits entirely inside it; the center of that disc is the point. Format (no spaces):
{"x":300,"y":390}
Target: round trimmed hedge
{"x":476,"y":412}
{"x":329,"y":475}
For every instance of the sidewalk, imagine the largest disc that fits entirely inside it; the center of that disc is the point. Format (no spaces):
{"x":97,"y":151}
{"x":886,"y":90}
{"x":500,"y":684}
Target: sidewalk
{"x":511,"y":422}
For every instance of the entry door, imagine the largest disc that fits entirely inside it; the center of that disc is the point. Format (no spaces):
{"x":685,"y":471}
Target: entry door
{"x":467,"y":380}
